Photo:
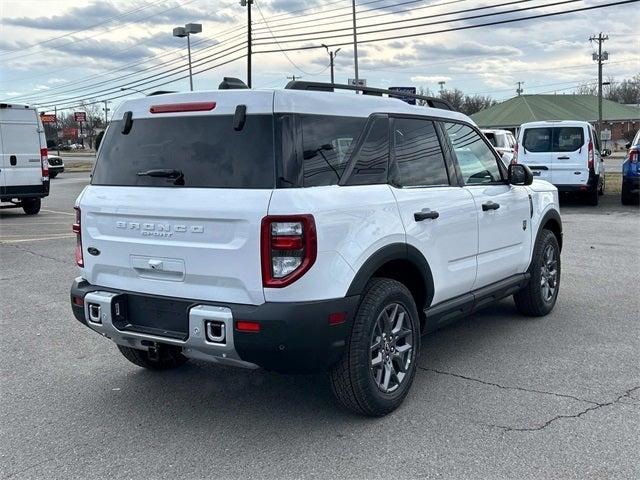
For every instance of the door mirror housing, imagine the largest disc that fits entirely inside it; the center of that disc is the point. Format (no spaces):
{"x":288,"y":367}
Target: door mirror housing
{"x":520,"y":174}
{"x":605,"y":153}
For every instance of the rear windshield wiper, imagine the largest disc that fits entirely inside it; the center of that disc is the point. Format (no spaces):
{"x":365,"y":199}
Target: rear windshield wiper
{"x":177,"y":175}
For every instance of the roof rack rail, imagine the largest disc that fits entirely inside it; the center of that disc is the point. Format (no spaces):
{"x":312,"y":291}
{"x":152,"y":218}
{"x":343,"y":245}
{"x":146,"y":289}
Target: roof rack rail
{"x":330,"y":87}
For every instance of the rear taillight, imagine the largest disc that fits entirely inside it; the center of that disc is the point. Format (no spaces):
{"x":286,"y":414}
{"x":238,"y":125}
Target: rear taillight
{"x":590,"y":155}
{"x":515,"y":154}
{"x":44,"y":163}
{"x":78,"y":231}
{"x":288,"y":246}
{"x":633,"y":155}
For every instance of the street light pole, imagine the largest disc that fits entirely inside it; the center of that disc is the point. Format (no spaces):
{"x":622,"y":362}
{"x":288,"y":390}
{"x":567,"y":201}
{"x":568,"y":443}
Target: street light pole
{"x":186,"y":31}
{"x":332,"y":56}
{"x":248,"y":3}
{"x":355,"y":41}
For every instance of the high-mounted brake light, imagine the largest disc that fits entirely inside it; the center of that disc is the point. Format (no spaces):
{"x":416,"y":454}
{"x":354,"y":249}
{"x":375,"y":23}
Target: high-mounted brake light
{"x":44,"y":163}
{"x":590,"y":155}
{"x":183,"y":107}
{"x":78,"y":231}
{"x":288,"y":246}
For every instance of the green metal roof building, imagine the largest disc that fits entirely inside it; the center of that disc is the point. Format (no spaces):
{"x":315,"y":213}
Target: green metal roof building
{"x":530,"y":108}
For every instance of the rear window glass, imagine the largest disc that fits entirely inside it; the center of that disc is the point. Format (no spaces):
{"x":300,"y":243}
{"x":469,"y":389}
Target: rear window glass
{"x":498,"y":140}
{"x":188,"y":151}
{"x":537,"y":139}
{"x":327,"y":142}
{"x":567,"y":139}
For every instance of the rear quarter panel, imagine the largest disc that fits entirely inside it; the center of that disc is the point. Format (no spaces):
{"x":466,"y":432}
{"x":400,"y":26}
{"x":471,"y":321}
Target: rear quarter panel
{"x":352,"y":223}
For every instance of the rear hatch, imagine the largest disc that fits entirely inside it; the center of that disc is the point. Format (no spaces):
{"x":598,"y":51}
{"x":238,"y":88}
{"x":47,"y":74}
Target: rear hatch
{"x":21,"y":150}
{"x":175,"y":205}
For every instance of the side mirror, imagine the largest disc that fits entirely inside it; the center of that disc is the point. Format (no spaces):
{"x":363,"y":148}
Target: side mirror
{"x":605,"y":153}
{"x":520,"y":174}
{"x":627,"y":145}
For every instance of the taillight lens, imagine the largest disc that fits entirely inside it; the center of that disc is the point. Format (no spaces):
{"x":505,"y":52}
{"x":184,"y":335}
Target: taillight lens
{"x":288,"y":246}
{"x":515,"y":154}
{"x":590,"y":155}
{"x":78,"y":231}
{"x":633,"y":155}
{"x":44,"y":162}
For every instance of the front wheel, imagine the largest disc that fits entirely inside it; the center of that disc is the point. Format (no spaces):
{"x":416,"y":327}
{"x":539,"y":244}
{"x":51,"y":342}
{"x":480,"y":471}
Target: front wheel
{"x":539,"y":297}
{"x":379,"y":363}
{"x":163,"y":357}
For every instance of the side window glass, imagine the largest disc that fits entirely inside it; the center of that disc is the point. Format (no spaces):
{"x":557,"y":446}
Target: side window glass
{"x":418,"y":154}
{"x":327,"y":142}
{"x":372,"y":158}
{"x":537,"y":140}
{"x":476,"y":160}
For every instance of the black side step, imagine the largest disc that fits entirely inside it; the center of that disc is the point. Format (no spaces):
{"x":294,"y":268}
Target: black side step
{"x":446,"y":312}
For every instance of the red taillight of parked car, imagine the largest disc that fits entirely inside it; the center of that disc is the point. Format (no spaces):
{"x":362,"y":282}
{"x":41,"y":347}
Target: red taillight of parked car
{"x":44,"y":162}
{"x":634,"y":155}
{"x":78,"y":231}
{"x":288,"y":247}
{"x":515,"y":154}
{"x":590,"y":155}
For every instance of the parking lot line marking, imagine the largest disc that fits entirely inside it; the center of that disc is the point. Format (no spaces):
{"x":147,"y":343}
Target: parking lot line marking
{"x":32,"y":223}
{"x":4,"y":242}
{"x":60,"y":213}
{"x":34,"y":235}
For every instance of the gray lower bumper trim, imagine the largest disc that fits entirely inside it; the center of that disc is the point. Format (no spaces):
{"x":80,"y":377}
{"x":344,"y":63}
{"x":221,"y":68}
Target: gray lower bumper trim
{"x":98,"y":308}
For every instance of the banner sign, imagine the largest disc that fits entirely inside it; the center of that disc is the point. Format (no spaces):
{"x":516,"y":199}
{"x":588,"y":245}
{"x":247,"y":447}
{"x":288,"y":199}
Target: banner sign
{"x":80,"y":116}
{"x":48,"y":118}
{"x":409,"y":100}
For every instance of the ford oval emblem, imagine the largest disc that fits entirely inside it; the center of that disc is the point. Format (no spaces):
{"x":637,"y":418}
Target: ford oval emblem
{"x":93,"y":251}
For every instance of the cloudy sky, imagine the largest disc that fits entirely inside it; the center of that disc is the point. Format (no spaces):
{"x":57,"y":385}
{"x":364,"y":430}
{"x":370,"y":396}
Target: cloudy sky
{"x":64,"y":52}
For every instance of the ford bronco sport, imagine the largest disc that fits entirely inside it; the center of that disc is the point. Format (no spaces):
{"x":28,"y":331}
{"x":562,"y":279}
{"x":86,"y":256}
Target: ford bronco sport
{"x":301,"y":230}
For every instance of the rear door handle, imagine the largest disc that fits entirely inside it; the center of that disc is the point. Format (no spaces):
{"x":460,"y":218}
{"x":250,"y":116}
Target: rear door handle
{"x":425,"y":214}
{"x":490,"y":206}
{"x":563,"y":158}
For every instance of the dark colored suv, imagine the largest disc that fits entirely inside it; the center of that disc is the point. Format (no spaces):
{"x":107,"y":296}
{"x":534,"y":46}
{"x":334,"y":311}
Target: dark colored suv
{"x":631,"y":173}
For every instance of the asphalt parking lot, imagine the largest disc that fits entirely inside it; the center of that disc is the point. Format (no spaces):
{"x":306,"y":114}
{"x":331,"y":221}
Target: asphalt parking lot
{"x":496,"y":395}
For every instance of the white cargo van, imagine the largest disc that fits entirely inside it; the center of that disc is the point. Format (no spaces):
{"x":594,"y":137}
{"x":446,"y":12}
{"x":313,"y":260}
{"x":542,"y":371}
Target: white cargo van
{"x":24,"y":169}
{"x":565,"y":153}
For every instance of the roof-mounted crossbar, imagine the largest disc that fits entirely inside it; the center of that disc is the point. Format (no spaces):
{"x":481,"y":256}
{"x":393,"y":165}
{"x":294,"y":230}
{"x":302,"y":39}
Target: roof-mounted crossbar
{"x":330,"y":87}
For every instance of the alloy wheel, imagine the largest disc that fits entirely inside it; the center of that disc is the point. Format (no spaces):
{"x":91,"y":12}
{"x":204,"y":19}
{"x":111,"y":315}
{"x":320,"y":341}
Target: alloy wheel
{"x":549,"y":273}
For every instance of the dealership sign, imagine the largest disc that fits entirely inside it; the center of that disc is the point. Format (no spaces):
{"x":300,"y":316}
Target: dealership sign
{"x":404,"y":98}
{"x":80,"y":116}
{"x":48,"y":118}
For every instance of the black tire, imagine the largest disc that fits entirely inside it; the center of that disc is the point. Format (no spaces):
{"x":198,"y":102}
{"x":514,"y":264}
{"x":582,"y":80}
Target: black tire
{"x":601,"y":187}
{"x":592,"y":197}
{"x":533,"y":300}
{"x":626,"y":198}
{"x":354,"y":379}
{"x":31,"y":206}
{"x":168,"y":357}
{"x":53,"y":175}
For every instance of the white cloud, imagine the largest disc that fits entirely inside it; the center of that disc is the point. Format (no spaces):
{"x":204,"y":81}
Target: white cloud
{"x":429,"y":78}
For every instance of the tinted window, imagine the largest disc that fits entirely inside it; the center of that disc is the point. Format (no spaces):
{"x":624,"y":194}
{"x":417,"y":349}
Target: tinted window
{"x":205,"y":149}
{"x":537,"y":139}
{"x":327,"y":142}
{"x":372,"y":157}
{"x":567,"y":139}
{"x":476,"y":160}
{"x":418,"y":154}
{"x":492,"y":138}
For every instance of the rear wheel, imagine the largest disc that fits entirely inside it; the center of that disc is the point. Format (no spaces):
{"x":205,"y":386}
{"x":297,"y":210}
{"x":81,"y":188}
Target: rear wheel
{"x":379,"y":363}
{"x":31,"y":206}
{"x":592,"y":195}
{"x":539,"y":296}
{"x":163,"y":357}
{"x":602,"y":185}
{"x":53,"y":174}
{"x":626,"y":198}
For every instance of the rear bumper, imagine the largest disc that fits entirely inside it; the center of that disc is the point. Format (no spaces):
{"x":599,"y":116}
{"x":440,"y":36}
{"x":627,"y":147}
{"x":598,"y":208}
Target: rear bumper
{"x":294,"y":337}
{"x":56,"y":168}
{"x":40,"y":190}
{"x":592,"y":183}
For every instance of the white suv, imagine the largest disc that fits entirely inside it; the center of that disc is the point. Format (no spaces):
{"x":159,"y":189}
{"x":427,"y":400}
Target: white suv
{"x":565,"y":153}
{"x":304,"y":231}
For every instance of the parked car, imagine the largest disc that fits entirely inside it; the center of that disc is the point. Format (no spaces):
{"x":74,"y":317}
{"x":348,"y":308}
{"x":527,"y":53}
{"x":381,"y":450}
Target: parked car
{"x":631,"y":173}
{"x":566,"y":154}
{"x":294,"y":231}
{"x":24,"y":171}
{"x":56,"y":165}
{"x":503,"y":141}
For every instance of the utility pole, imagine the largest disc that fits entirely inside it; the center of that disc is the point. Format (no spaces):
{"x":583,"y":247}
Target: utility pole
{"x":355,"y":41}
{"x":332,"y":56}
{"x":248,"y":3}
{"x":106,"y":112}
{"x":441,"y":83}
{"x":55,"y":113}
{"x":293,"y":78}
{"x":600,"y":57}
{"x":519,"y":90}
